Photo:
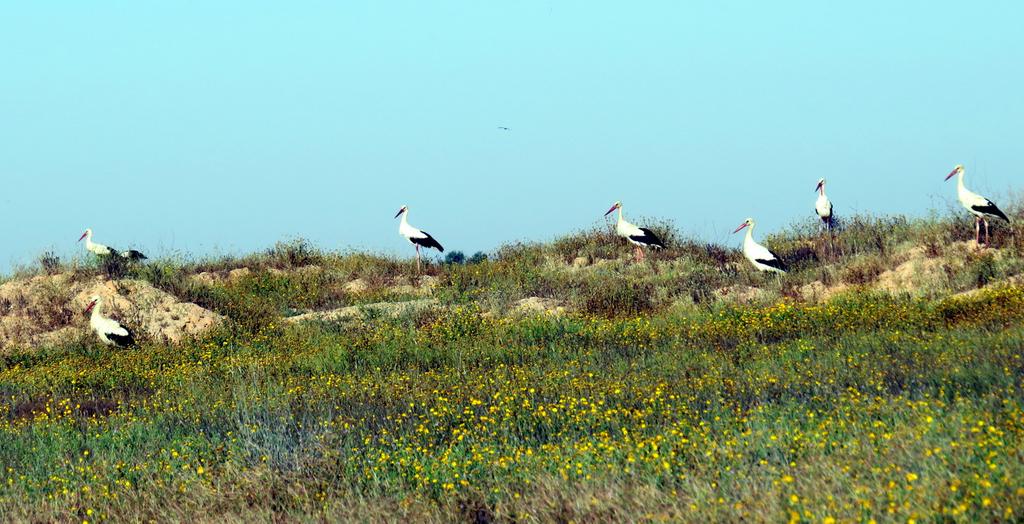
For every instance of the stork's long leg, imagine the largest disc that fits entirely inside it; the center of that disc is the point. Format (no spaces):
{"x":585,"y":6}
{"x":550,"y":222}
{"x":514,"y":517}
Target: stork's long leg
{"x":417,"y":258}
{"x":977,"y":231}
{"x":986,"y":231}
{"x":828,"y":233}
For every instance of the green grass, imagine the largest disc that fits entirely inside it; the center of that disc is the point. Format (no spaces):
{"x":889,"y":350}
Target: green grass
{"x":651,"y":400}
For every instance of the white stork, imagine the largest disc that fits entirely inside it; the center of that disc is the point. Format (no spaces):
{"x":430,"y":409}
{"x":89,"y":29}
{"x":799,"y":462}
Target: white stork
{"x":640,"y":237}
{"x":418,"y":237}
{"x":760,"y":256}
{"x":103,"y":251}
{"x":110,"y":331}
{"x":979,"y":206}
{"x":823,"y":206}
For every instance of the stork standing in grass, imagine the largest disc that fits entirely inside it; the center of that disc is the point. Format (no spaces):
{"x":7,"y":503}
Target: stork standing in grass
{"x":640,"y":237}
{"x":760,"y":256}
{"x":823,"y":206}
{"x":104,"y":251}
{"x":418,"y":237}
{"x":109,"y":331}
{"x":979,"y":206}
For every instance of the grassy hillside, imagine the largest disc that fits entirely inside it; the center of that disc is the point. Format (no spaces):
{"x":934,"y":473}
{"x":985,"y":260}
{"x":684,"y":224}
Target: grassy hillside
{"x":880,"y":380}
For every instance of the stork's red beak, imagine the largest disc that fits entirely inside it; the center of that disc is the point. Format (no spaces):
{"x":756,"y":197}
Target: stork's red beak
{"x":610,"y":210}
{"x":950,"y":175}
{"x":90,"y":306}
{"x":399,"y":213}
{"x":818,"y":187}
{"x":83,"y":236}
{"x":743,"y":225}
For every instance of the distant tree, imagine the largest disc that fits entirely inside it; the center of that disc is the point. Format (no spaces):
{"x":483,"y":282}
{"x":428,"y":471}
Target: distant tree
{"x":477,"y":258}
{"x":455,"y":257}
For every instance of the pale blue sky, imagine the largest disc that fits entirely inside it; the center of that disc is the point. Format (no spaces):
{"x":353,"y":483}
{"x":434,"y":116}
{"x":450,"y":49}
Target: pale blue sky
{"x":222,"y":127}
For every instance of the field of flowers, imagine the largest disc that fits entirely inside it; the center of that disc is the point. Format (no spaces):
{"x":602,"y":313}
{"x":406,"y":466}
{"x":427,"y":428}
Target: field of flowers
{"x":868,"y":408}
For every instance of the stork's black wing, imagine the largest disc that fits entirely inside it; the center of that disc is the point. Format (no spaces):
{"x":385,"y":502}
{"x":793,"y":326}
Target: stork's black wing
{"x":990,"y":209}
{"x":648,"y":238}
{"x":122,"y":340}
{"x":133,"y":255}
{"x":427,"y":242}
{"x":774,"y":262}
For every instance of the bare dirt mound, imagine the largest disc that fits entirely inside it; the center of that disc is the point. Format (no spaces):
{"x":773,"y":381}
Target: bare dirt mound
{"x":356,"y":314}
{"x":817,"y":291}
{"x":208,"y":278}
{"x":48,"y":309}
{"x":915,"y":271}
{"x":740,"y":294}
{"x":539,"y":305}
